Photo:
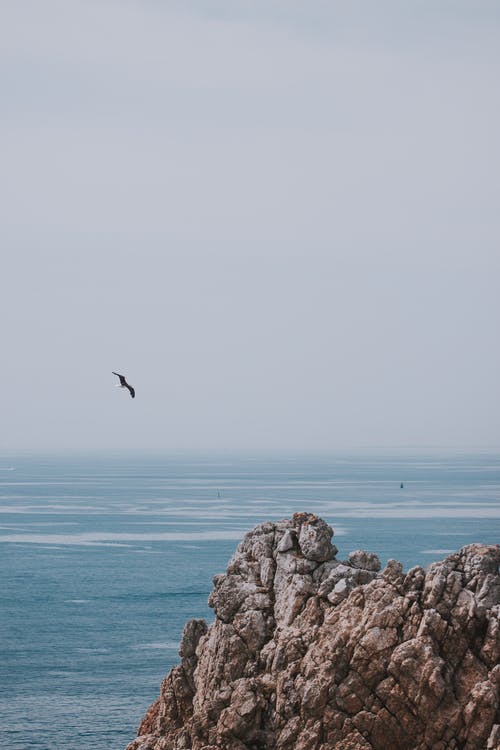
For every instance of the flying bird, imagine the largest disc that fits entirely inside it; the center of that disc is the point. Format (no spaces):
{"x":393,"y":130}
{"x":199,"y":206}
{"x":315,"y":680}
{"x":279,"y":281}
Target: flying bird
{"x":124,"y":384}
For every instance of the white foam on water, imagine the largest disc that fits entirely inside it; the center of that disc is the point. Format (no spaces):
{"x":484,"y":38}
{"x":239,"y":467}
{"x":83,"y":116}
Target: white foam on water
{"x":384,"y":510}
{"x":103,"y":537}
{"x":157,"y":646}
{"x":17,"y":509}
{"x":11,"y":527}
{"x":108,"y":544}
{"x":139,"y":551}
{"x":48,"y":509}
{"x":61,"y":506}
{"x":52,"y":523}
{"x":36,"y":484}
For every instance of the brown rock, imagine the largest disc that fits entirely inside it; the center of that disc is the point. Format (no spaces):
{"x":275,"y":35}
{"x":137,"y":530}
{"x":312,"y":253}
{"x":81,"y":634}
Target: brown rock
{"x":308,"y":653}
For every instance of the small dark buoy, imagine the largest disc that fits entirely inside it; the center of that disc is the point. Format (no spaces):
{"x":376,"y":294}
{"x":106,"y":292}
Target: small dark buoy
{"x":402,"y":485}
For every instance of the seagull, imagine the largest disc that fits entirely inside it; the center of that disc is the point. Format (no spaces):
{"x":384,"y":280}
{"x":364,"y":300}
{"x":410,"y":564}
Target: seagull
{"x":124,"y":384}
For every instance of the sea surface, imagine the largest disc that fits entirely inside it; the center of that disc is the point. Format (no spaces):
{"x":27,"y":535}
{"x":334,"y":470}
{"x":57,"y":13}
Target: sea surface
{"x":104,"y":558}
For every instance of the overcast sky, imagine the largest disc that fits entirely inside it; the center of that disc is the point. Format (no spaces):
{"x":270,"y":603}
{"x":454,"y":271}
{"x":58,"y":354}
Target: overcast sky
{"x":279,"y":219}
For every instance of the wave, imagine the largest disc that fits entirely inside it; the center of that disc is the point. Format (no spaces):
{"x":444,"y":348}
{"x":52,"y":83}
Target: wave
{"x":103,"y":537}
{"x":157,"y":646}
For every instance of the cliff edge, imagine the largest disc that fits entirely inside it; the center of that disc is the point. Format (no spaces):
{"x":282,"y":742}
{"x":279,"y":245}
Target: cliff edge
{"x":308,"y":652}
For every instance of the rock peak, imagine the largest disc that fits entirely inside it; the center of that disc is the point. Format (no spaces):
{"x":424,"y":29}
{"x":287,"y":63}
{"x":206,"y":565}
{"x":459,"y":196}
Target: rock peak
{"x":308,"y":652}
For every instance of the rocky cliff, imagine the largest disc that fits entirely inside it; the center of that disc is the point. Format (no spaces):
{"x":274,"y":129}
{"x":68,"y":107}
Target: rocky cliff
{"x":308,"y":652}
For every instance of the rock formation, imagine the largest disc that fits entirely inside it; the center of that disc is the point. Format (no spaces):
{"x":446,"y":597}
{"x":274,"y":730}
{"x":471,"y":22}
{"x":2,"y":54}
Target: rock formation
{"x":310,"y":653}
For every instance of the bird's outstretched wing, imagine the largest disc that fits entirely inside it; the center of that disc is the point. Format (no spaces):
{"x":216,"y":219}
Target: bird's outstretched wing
{"x":124,"y":383}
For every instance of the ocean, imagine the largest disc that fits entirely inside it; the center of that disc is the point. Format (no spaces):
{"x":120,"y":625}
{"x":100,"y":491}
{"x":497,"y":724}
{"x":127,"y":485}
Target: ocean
{"x":104,"y":558}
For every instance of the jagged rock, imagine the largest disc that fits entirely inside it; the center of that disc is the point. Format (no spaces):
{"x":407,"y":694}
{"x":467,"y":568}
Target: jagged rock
{"x":310,"y":653}
{"x":364,"y":560}
{"x":314,"y":539}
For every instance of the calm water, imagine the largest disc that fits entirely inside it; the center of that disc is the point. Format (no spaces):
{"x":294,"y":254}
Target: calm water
{"x":104,"y":559}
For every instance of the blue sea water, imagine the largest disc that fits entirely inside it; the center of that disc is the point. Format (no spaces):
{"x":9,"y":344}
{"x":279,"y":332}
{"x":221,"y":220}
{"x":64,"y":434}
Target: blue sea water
{"x":104,"y":558}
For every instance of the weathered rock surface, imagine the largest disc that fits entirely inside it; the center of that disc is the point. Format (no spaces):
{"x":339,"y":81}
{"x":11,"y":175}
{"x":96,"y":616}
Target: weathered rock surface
{"x":310,"y":653}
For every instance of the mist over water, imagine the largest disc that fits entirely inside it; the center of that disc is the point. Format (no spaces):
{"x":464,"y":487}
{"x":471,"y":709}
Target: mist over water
{"x":105,"y":558}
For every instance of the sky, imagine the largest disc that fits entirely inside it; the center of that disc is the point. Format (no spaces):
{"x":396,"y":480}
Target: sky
{"x":280,"y":220}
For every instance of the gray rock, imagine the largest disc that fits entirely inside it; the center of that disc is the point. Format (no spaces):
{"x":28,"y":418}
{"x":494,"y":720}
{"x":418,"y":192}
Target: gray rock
{"x":288,"y":541}
{"x":365,"y":560}
{"x":314,"y":540}
{"x":309,"y":653}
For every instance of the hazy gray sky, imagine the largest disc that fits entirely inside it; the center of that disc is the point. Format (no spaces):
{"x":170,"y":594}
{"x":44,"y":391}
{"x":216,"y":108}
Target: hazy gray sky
{"x":279,"y":219}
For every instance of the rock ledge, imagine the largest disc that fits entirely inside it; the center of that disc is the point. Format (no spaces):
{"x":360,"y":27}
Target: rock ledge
{"x":311,"y":653}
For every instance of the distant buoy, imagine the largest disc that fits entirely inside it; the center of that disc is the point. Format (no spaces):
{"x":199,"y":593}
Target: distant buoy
{"x":402,"y":485}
